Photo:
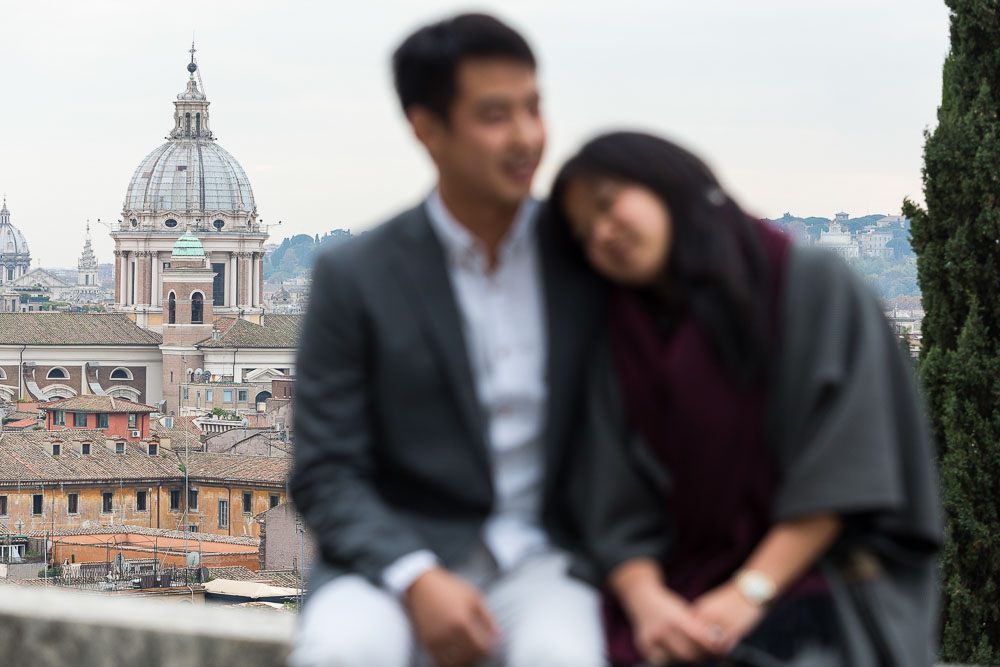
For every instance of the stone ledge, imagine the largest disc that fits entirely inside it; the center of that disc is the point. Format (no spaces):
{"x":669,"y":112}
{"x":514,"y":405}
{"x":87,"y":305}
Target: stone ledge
{"x":49,"y":628}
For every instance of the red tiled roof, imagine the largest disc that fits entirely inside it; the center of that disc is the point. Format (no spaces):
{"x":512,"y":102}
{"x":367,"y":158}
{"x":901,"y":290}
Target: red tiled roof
{"x":21,"y":423}
{"x":25,"y":459}
{"x":113,"y":529}
{"x":98,"y":403}
{"x":73,"y":329}
{"x":274,"y":331}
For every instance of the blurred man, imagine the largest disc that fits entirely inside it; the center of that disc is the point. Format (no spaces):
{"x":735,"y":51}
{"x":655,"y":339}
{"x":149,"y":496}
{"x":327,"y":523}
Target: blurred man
{"x":440,"y":377}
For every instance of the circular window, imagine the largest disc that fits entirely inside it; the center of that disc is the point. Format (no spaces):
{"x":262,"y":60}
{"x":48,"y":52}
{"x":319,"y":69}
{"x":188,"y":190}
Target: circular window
{"x":170,"y":223}
{"x":218,"y":224}
{"x":135,"y":223}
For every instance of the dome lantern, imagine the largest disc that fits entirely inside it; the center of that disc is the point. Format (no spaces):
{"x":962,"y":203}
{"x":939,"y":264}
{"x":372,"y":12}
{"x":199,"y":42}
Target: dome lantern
{"x":190,"y":181}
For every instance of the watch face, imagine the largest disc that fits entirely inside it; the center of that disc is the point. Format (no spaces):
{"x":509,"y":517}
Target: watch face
{"x":756,"y":587}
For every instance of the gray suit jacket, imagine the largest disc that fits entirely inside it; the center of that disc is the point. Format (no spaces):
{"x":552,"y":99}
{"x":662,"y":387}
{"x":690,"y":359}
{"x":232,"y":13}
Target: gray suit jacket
{"x":391,"y":454}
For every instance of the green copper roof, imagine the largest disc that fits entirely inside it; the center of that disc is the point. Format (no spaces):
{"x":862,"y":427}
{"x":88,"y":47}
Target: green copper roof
{"x":188,"y":245}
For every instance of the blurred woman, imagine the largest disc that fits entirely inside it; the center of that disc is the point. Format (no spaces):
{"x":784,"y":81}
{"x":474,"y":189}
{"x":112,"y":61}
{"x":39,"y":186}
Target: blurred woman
{"x":756,"y":481}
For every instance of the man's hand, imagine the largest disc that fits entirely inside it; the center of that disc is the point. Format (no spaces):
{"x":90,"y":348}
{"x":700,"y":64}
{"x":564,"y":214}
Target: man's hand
{"x":665,"y":628}
{"x":728,"y":613}
{"x":451,"y":618}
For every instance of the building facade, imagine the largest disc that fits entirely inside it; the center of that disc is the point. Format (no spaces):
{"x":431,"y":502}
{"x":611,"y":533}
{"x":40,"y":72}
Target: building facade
{"x":15,"y":258}
{"x":189,"y":185}
{"x":83,"y":479}
{"x":86,"y":267}
{"x":44,"y":356}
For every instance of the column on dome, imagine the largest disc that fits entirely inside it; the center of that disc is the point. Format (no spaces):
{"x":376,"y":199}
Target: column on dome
{"x":232,"y":300}
{"x":243,"y":279}
{"x":260,"y":279}
{"x":143,"y":278}
{"x":118,"y":277}
{"x":129,"y":272}
{"x":255,"y":280}
{"x":154,"y":281}
{"x":248,"y":298}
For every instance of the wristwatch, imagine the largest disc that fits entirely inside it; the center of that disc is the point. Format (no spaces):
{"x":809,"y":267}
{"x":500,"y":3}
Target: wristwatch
{"x":755,"y":587}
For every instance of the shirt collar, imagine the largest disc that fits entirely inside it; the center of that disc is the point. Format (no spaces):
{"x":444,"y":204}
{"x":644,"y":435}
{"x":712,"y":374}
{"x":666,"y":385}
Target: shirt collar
{"x":460,"y":245}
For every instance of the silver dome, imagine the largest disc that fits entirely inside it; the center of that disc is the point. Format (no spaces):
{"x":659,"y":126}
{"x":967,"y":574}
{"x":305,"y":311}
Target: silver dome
{"x":190,"y":175}
{"x":11,"y":239}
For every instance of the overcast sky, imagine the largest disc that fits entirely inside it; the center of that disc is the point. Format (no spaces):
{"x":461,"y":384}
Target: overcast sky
{"x":808,"y":106}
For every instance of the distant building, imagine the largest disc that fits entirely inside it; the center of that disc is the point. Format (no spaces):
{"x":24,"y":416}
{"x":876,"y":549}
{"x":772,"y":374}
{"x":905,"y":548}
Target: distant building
{"x":839,"y":240}
{"x":117,"y":418}
{"x":892,"y":221}
{"x":86,"y":267}
{"x":15,"y":258}
{"x":285,"y":539}
{"x":44,"y":356}
{"x":189,"y":186}
{"x":874,"y":242}
{"x":81,"y":478}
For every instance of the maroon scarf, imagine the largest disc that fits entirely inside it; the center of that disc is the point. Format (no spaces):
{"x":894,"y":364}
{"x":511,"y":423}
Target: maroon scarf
{"x":708,"y":431}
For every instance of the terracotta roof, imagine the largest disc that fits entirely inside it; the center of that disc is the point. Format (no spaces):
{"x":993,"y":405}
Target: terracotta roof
{"x":23,"y":414}
{"x":274,"y":331}
{"x":237,"y":467}
{"x":73,"y":329}
{"x":25,"y":459}
{"x":98,"y":403}
{"x":282,"y":578}
{"x":113,"y":529}
{"x":181,"y":425}
{"x":28,"y":422}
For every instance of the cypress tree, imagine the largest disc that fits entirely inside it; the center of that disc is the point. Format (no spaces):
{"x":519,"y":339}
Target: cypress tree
{"x":957,"y":241}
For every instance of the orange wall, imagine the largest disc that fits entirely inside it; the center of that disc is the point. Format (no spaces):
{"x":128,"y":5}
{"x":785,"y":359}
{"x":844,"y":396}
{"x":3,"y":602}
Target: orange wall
{"x":117,"y":424}
{"x":66,"y":549}
{"x":55,"y":507}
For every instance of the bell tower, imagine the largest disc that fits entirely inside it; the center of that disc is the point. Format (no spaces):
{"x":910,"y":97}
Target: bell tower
{"x":187,"y":312}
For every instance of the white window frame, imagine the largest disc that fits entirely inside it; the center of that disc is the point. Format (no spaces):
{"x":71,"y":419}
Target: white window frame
{"x":128,"y":374}
{"x":48,"y":376}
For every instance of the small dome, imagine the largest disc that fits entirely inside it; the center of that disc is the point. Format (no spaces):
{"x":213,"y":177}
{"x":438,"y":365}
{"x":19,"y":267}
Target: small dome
{"x":12,"y":241}
{"x":188,"y":245}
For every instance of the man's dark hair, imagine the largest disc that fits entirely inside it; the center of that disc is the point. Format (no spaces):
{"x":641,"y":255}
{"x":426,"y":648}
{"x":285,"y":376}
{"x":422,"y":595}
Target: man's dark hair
{"x":425,"y":65}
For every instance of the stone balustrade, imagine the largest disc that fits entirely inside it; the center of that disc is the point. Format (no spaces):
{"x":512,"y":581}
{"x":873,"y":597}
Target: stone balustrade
{"x":53,"y":628}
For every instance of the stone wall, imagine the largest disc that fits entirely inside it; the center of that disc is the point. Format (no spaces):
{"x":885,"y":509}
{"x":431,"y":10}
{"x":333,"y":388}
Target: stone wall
{"x":280,"y":542}
{"x":50,"y":628}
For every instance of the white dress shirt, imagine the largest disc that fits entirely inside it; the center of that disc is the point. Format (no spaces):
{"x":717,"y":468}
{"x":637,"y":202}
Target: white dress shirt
{"x":503,"y":321}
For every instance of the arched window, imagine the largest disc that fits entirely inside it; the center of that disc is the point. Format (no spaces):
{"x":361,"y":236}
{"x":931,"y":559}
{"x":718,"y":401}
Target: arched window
{"x":3,"y":374}
{"x":171,"y":309}
{"x":57,"y":373}
{"x":197,"y":125}
{"x":187,"y":128}
{"x":197,"y":304}
{"x":121,"y":374}
{"x":121,"y":391}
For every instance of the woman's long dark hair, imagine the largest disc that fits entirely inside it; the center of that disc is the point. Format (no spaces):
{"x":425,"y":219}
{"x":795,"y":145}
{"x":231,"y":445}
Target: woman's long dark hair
{"x":717,"y":269}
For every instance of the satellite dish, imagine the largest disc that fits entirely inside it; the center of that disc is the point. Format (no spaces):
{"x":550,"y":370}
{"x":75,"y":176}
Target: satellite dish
{"x":193,"y":559}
